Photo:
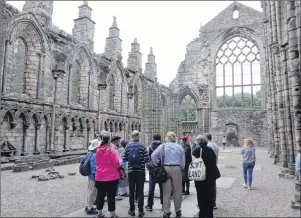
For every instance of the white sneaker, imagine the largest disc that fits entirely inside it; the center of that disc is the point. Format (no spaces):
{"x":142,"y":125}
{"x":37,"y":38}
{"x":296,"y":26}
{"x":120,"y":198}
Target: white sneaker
{"x":249,"y":187}
{"x":245,"y":185}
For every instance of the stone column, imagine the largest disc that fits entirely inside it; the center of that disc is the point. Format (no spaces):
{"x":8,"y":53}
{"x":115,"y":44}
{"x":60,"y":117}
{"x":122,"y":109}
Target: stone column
{"x":69,"y":77}
{"x":89,"y":89}
{"x":37,"y":139}
{"x":4,"y":74}
{"x":39,"y":85}
{"x":66,"y":139}
{"x":56,"y":75}
{"x":100,"y":87}
{"x":47,"y":138}
{"x":24,"y":146}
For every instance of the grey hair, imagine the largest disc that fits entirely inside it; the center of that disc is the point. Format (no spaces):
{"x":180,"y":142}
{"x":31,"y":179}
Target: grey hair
{"x":201,"y":140}
{"x":135,"y":133}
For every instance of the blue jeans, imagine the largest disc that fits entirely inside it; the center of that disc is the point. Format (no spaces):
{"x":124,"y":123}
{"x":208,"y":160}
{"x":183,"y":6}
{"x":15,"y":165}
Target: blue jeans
{"x":248,"y":171}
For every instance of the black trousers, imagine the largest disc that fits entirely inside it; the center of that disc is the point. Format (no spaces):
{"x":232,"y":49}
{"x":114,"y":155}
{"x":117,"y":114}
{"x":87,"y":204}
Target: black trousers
{"x":187,"y":184}
{"x":204,"y":191}
{"x":108,"y":188}
{"x":151,"y":191}
{"x":136,"y":186}
{"x":214,"y":194}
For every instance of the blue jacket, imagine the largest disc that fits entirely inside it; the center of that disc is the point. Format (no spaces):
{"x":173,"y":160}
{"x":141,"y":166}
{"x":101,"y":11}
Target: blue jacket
{"x":93,"y":165}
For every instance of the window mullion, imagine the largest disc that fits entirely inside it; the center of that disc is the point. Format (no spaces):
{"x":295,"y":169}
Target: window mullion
{"x":251,"y":74}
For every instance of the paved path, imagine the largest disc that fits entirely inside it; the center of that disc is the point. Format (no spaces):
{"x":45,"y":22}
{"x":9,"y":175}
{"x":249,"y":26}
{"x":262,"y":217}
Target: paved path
{"x":270,"y":198}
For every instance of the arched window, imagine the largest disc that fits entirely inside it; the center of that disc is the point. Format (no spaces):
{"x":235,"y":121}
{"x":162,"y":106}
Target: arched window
{"x":18,"y":74}
{"x":136,"y":100}
{"x":235,"y":14}
{"x":238,"y":74}
{"x":111,"y":92}
{"x":188,"y":109}
{"x":75,"y":82}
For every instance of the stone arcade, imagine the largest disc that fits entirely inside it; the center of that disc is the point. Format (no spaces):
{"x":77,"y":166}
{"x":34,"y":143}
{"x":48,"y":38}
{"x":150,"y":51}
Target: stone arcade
{"x":240,"y":78}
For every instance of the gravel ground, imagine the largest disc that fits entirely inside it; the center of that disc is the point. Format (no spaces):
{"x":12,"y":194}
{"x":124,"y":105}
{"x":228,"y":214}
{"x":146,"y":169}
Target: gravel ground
{"x":271,"y":196}
{"x":24,"y":197}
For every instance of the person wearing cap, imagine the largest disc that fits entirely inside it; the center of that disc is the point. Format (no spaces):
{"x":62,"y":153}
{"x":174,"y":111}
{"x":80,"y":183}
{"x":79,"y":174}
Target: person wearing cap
{"x":92,"y":190}
{"x":188,"y":160}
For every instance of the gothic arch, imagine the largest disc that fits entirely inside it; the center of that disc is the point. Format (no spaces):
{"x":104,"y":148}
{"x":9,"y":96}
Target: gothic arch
{"x":223,"y":90}
{"x":80,"y":76}
{"x":236,"y":32}
{"x":184,"y":91}
{"x":24,"y":29}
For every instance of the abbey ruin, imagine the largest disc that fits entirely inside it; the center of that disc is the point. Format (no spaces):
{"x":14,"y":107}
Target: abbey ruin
{"x":240,"y":78}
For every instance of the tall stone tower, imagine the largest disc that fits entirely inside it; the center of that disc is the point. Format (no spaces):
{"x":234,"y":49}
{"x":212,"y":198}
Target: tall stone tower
{"x":42,"y":10}
{"x":135,"y":57}
{"x":83,"y":30}
{"x":151,"y":66}
{"x":113,"y":42}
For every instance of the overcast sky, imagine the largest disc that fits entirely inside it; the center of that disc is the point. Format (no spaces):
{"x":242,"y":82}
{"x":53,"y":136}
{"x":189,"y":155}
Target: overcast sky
{"x":167,"y":26}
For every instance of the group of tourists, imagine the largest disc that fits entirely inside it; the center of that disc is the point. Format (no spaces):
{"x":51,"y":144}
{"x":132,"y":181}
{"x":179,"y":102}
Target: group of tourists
{"x":117,"y":169}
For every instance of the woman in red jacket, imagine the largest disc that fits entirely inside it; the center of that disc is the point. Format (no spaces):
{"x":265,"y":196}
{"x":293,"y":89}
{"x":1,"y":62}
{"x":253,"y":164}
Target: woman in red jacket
{"x":107,"y":175}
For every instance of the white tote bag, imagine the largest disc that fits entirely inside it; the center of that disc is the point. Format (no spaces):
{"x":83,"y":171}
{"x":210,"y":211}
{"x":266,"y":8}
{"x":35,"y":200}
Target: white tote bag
{"x":197,"y":169}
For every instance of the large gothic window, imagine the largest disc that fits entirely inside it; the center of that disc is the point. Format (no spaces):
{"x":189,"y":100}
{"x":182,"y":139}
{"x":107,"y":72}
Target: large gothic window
{"x":18,"y":74}
{"x":136,"y":100}
{"x":238,"y":74}
{"x":111,"y":92}
{"x":188,"y":109}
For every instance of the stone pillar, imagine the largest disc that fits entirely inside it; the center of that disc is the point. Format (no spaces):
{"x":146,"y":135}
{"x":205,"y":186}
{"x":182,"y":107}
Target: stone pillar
{"x":100,"y":88}
{"x":56,"y":75}
{"x":47,"y":138}
{"x":37,"y":139}
{"x":39,"y":85}
{"x":4,"y":66}
{"x":296,"y":204}
{"x":24,"y":143}
{"x":89,"y":89}
{"x":66,"y":139}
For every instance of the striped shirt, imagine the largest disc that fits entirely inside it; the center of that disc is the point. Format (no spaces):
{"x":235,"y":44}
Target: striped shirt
{"x":144,"y":158}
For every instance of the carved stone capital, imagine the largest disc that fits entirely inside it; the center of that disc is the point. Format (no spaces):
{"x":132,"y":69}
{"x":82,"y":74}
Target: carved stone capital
{"x":130,"y":95}
{"x":58,"y":73}
{"x":102,"y":86}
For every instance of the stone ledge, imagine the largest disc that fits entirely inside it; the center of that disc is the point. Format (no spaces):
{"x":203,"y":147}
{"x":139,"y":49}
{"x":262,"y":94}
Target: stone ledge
{"x":286,"y":176}
{"x":66,"y":161}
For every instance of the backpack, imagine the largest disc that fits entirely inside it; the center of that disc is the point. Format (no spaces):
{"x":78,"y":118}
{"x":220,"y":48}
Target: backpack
{"x":84,"y":167}
{"x":197,"y":169}
{"x":134,"y":156}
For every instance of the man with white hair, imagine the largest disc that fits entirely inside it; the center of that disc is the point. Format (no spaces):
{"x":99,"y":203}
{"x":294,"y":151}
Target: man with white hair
{"x":137,"y":157}
{"x":205,"y":188}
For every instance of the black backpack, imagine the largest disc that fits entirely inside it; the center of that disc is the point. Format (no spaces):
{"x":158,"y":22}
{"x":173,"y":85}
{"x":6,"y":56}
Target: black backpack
{"x":134,"y":156}
{"x":84,"y":167}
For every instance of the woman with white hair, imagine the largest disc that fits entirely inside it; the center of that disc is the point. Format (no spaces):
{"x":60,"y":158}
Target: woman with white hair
{"x":174,"y":162}
{"x":205,"y":188}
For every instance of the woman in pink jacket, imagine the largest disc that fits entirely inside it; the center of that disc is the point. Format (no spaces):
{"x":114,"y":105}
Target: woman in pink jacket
{"x":107,"y":175}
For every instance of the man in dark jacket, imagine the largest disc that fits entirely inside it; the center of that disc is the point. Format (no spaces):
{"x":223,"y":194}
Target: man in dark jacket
{"x":188,"y":160}
{"x":205,"y":188}
{"x":151,"y":190}
{"x":137,"y":157}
